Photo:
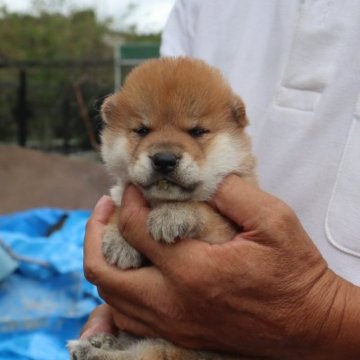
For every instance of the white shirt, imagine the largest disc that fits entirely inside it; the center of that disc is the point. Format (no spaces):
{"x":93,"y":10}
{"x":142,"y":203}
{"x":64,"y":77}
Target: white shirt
{"x":296,"y":64}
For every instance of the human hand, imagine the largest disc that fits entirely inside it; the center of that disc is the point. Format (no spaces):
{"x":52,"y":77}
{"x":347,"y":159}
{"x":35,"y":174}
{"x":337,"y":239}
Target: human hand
{"x":99,"y":321}
{"x":268,"y":292}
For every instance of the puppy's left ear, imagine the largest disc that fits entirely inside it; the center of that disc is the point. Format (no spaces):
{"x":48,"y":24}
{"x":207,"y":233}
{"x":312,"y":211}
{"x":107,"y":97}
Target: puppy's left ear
{"x":238,"y":111}
{"x":108,"y":108}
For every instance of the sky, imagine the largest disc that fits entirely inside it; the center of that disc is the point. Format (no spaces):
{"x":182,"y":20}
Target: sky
{"x":148,"y":16}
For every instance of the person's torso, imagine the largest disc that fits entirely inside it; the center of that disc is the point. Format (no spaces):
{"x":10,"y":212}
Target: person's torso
{"x":297,"y":66}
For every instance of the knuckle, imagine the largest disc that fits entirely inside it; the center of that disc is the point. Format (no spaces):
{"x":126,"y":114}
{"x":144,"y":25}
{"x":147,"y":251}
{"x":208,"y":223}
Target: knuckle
{"x":280,"y":214}
{"x":285,"y":213}
{"x":189,"y":281}
{"x":172,"y":313}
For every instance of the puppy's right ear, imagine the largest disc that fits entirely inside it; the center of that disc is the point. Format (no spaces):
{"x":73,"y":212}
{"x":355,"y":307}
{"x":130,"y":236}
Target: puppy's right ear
{"x":239,"y":111}
{"x":108,"y":108}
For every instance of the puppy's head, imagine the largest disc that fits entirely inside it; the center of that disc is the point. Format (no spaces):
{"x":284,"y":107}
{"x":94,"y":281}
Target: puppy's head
{"x":175,"y":130}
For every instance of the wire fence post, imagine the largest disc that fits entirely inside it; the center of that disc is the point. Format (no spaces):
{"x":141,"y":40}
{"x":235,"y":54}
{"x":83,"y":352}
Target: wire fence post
{"x":66,"y":115}
{"x":21,"y":109}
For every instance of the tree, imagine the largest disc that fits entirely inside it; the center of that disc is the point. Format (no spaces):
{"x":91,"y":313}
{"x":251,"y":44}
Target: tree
{"x":49,"y":33}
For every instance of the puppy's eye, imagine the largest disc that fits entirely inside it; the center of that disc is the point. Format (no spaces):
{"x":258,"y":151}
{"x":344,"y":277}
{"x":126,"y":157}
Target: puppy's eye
{"x":197,"y":131}
{"x":142,"y":131}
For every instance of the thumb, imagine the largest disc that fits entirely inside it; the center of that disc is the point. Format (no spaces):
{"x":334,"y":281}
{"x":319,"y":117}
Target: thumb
{"x":243,"y":203}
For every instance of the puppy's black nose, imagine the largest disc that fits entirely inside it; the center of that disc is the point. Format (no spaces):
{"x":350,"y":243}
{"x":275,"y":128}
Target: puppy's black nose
{"x":164,"y":162}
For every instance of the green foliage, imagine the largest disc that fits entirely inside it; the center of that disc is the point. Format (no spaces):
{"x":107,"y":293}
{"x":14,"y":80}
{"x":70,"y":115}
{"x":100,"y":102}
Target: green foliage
{"x":52,"y":35}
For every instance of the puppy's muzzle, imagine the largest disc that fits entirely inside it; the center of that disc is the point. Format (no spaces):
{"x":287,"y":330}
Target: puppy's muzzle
{"x":164,"y":162}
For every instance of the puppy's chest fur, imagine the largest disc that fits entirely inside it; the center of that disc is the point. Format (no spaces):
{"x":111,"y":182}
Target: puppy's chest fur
{"x":178,"y":163}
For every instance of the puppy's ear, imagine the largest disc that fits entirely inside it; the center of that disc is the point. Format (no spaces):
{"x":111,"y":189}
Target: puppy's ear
{"x":238,"y":111}
{"x":108,"y":108}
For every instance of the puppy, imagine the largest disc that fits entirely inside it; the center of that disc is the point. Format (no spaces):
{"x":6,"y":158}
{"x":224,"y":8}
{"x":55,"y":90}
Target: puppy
{"x":175,"y":130}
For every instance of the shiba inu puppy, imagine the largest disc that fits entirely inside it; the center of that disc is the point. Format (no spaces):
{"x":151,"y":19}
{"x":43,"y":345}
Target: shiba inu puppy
{"x":175,"y":130}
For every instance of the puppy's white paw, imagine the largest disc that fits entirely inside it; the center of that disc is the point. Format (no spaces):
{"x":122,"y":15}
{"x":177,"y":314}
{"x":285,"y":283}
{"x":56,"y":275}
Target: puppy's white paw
{"x":168,"y":223}
{"x":80,"y":350}
{"x":117,"y":251}
{"x":94,"y":348}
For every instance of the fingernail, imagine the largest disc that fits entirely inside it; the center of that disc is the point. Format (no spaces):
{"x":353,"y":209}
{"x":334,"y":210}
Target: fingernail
{"x":103,"y":209}
{"x":91,"y":328}
{"x":103,"y":200}
{"x":97,"y":325}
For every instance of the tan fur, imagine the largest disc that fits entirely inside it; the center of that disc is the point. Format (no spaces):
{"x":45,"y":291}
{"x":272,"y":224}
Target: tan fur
{"x":170,"y":98}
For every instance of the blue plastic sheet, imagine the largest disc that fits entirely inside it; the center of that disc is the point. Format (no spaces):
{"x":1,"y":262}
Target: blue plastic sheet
{"x":47,"y":300}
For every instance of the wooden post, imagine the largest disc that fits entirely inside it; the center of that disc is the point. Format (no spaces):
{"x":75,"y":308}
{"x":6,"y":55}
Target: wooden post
{"x":21,"y":110}
{"x":66,"y":112}
{"x":84,"y":115}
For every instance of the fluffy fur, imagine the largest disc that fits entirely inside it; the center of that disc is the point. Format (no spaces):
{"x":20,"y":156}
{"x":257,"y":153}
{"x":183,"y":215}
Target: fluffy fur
{"x":175,"y":130}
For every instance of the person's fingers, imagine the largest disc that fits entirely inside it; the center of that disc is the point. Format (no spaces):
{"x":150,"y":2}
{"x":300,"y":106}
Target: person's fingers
{"x":133,"y":284}
{"x":93,"y":256}
{"x":132,"y":192}
{"x":132,"y":223}
{"x":128,"y":317}
{"x":134,"y":310}
{"x":97,"y":221}
{"x":102,"y":210}
{"x":131,"y":325}
{"x":100,"y":321}
{"x":139,"y":286}
{"x":145,"y":310}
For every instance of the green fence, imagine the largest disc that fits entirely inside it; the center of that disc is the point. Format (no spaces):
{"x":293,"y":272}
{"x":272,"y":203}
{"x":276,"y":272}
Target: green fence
{"x":129,"y":55}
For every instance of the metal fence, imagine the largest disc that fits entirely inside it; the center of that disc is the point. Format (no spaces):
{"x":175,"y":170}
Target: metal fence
{"x":53,"y":105}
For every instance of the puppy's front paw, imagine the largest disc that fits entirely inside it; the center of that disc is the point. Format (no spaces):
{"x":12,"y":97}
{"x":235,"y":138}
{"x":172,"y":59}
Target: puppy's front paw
{"x":81,"y":350}
{"x":169,"y":223}
{"x":117,"y":251}
{"x":93,"y":348}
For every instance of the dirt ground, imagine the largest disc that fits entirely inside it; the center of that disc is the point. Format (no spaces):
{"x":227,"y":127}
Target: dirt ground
{"x":30,"y":178}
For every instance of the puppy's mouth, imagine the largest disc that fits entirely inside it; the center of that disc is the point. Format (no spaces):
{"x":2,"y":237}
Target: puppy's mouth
{"x":166,"y":183}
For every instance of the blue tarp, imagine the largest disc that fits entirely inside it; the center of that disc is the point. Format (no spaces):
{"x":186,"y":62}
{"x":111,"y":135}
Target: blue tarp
{"x":46,"y":301}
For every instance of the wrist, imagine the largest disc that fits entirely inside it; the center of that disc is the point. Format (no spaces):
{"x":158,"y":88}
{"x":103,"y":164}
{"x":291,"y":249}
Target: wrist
{"x":338,"y":328}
